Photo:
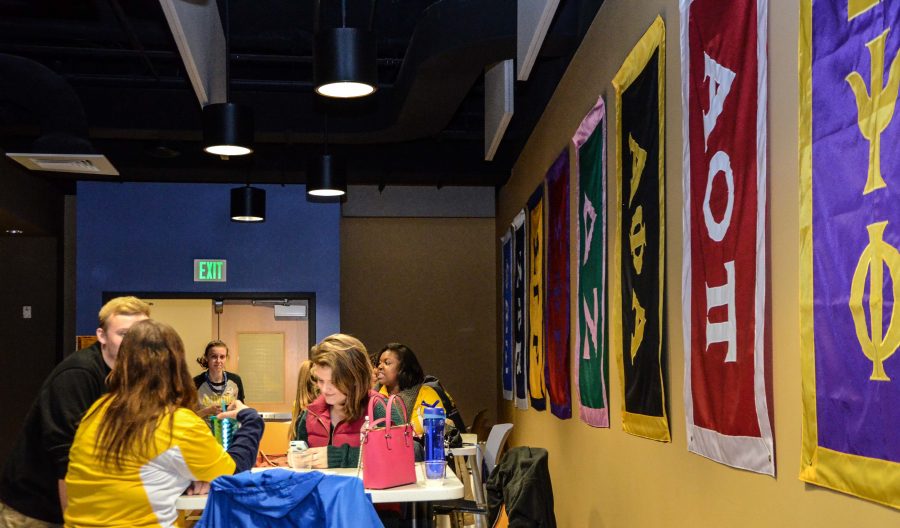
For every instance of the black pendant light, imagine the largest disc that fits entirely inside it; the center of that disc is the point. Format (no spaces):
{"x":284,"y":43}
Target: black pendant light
{"x":344,"y":59}
{"x":326,"y":177}
{"x":248,"y":204}
{"x":227,"y":127}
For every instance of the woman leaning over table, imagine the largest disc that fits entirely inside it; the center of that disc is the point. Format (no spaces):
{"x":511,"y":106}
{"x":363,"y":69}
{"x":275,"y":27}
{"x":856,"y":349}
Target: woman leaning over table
{"x":331,"y":424}
{"x":139,"y":447}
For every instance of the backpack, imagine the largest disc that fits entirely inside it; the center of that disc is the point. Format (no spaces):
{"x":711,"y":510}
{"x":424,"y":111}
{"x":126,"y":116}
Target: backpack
{"x":447,"y":401}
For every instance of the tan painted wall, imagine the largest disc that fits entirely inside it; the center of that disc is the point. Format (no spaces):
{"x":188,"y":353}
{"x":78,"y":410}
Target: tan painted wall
{"x":428,"y":283}
{"x":606,"y":478}
{"x":238,"y":318}
{"x":195,"y":321}
{"x":192,"y":319}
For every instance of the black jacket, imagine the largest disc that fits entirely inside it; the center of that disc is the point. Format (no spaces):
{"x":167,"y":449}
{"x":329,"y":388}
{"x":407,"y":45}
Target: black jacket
{"x":41,"y":453}
{"x":521,"y":481}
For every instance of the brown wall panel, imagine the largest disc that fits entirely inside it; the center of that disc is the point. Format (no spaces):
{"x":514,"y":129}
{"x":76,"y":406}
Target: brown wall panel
{"x":430,"y":284}
{"x":28,"y":347}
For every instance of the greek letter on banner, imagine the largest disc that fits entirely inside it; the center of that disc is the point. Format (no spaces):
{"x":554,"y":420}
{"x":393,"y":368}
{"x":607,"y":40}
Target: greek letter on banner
{"x":723,"y":63}
{"x":520,"y":310}
{"x":592,"y":347}
{"x":536,"y":352}
{"x":508,"y":313}
{"x":849,"y":258}
{"x":637,"y":304}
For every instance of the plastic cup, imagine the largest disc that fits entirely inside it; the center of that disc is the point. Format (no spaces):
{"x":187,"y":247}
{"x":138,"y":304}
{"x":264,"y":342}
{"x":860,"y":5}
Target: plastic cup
{"x":223,"y":430}
{"x":435,"y":470}
{"x":295,"y":457}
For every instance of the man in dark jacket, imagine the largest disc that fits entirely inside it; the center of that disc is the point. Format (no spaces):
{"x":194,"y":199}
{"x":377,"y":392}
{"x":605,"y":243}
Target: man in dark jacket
{"x":32,"y":486}
{"x":521,"y":482}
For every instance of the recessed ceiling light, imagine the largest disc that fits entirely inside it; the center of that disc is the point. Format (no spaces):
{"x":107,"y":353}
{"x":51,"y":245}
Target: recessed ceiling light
{"x":14,"y":232}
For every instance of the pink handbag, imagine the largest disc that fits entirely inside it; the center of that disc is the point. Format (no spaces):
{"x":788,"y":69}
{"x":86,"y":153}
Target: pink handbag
{"x":387,"y":455}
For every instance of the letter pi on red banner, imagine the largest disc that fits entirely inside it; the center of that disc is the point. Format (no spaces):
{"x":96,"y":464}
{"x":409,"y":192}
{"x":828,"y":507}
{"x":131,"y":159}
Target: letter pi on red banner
{"x":723,"y":72}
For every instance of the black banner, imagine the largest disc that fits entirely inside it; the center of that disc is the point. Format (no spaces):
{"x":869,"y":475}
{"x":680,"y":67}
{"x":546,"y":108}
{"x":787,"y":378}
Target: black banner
{"x":640,"y":240}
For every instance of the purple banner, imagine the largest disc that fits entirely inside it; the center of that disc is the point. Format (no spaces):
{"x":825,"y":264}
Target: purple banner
{"x":856,"y":228}
{"x":556,"y":308}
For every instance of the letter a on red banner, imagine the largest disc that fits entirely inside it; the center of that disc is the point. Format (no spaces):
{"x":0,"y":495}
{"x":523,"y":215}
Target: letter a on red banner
{"x":727,"y":378}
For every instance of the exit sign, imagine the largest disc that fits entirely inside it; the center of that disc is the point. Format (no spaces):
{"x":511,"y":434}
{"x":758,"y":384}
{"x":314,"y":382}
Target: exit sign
{"x":209,"y":270}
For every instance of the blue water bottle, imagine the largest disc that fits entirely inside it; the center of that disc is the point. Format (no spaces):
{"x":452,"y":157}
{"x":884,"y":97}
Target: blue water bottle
{"x":433,"y":424}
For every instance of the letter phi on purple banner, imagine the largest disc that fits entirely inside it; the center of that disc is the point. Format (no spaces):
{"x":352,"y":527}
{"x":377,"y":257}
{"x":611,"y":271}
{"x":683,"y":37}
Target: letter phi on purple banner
{"x":850,"y":235}
{"x":556,"y":364}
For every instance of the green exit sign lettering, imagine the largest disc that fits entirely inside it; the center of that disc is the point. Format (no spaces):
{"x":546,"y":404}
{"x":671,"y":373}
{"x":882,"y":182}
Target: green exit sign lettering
{"x":209,"y":270}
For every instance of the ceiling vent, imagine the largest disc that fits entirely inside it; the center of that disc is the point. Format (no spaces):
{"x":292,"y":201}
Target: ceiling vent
{"x":96,"y":164}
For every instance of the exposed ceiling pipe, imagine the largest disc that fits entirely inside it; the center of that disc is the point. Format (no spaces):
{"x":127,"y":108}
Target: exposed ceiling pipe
{"x":132,"y":36}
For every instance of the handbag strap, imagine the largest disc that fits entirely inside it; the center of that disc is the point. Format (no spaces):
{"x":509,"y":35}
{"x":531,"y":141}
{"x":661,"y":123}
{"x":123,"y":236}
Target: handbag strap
{"x":359,"y":461}
{"x":391,"y":400}
{"x":388,"y":404}
{"x":373,"y":397}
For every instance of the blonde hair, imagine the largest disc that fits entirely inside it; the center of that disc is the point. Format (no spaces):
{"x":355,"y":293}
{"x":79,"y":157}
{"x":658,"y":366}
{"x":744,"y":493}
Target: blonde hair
{"x":307,"y":390}
{"x":351,"y":370}
{"x":122,"y":306}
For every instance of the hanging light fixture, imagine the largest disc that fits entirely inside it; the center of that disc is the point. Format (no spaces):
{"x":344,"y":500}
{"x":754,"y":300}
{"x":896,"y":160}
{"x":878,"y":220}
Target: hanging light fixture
{"x":248,"y":204}
{"x":326,"y":177}
{"x":345,"y":59}
{"x":227,"y":127}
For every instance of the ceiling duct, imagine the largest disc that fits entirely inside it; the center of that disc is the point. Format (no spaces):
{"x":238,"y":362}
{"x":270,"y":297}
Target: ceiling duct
{"x":72,"y":163}
{"x":452,"y":44}
{"x":39,"y":95}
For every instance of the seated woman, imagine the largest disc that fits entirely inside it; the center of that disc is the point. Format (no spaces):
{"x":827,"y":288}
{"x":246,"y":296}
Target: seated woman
{"x":331,"y":424}
{"x":399,"y":372}
{"x":307,"y":391}
{"x":141,"y":445}
{"x":216,"y":386}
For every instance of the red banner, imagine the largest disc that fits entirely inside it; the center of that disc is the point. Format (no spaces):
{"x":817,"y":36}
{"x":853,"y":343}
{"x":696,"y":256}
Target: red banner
{"x":723,"y":56}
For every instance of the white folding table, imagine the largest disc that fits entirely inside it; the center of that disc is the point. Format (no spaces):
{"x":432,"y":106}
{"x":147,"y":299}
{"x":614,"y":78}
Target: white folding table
{"x":420,"y":491}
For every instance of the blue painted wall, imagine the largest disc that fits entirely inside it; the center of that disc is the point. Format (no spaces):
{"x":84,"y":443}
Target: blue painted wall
{"x":145,"y":237}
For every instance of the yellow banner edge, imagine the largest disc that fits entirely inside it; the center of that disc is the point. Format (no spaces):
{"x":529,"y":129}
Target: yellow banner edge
{"x":653,"y":39}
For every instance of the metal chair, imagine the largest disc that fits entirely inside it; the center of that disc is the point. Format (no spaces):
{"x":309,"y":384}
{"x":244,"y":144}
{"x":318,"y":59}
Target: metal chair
{"x":491,"y":450}
{"x":496,"y":441}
